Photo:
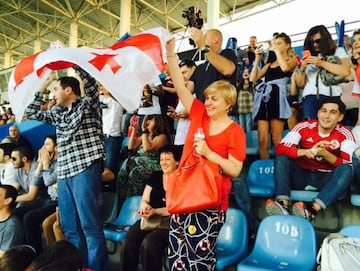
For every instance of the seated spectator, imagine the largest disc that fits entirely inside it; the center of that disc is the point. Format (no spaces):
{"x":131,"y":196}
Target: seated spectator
{"x":136,"y":169}
{"x":30,"y":186}
{"x":11,"y":228}
{"x":149,"y":245}
{"x":62,"y":252}
{"x":314,"y":155}
{"x":9,"y":139}
{"x":14,"y":132}
{"x":47,"y":170}
{"x":17,"y":258}
{"x":51,"y":229}
{"x":7,"y":170}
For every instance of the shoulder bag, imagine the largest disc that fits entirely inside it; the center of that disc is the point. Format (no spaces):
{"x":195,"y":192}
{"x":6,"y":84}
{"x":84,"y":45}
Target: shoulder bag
{"x":194,"y":187}
{"x":154,"y":222}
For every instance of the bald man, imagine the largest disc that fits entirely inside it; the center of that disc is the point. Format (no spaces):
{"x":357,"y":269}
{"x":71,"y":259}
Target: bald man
{"x":219,"y":64}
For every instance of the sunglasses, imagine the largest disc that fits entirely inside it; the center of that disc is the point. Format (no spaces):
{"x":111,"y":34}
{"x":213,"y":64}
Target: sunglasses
{"x":317,"y":41}
{"x":13,"y":158}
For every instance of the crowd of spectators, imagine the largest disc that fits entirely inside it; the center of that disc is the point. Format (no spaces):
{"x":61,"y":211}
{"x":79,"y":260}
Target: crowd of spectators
{"x":273,"y":86}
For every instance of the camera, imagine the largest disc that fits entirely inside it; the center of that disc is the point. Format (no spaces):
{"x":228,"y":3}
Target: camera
{"x":194,"y":19}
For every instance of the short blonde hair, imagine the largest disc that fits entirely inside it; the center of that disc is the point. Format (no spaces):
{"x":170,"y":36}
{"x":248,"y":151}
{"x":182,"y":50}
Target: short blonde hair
{"x":226,"y":90}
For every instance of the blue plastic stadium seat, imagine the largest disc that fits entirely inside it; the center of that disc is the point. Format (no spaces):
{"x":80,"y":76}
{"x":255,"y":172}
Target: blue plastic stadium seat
{"x":117,"y":230}
{"x":260,"y":178}
{"x":271,"y":147}
{"x":233,"y":239}
{"x":355,"y":199}
{"x":351,"y":230}
{"x":252,"y":142}
{"x":34,"y":131}
{"x":285,"y":243}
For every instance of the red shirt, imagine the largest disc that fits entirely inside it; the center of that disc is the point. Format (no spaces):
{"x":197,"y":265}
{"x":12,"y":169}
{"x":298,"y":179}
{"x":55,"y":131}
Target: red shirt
{"x":230,"y":141}
{"x":306,"y":134}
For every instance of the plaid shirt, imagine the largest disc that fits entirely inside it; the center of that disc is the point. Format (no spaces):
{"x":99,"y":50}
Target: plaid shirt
{"x":80,"y":139}
{"x":245,"y":102}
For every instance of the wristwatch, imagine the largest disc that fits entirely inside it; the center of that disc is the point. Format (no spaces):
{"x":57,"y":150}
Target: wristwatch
{"x":205,"y":49}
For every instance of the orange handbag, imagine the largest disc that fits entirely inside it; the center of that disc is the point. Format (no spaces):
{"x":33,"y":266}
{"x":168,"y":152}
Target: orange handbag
{"x":195,"y":187}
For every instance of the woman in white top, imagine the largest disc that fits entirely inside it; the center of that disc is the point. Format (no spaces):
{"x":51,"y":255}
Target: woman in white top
{"x":320,"y":44}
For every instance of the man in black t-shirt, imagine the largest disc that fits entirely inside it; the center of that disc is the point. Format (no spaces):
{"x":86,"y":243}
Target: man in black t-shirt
{"x":219,"y":64}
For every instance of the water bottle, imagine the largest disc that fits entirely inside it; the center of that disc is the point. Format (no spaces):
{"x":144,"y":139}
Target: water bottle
{"x":199,"y":134}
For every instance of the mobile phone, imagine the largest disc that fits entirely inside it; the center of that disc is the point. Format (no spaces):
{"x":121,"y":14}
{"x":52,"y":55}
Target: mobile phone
{"x":306,"y":53}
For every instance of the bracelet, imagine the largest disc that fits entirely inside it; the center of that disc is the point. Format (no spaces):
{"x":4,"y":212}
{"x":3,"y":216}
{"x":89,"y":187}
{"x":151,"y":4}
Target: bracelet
{"x":146,"y":132}
{"x":173,"y":55}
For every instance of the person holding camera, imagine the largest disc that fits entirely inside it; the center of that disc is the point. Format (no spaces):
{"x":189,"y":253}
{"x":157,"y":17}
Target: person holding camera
{"x":219,"y":64}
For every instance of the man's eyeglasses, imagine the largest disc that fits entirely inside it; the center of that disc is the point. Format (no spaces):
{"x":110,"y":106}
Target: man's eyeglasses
{"x":13,"y":158}
{"x":317,"y":41}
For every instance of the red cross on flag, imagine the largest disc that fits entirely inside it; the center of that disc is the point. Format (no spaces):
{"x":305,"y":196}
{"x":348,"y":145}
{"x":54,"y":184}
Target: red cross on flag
{"x":123,"y":68}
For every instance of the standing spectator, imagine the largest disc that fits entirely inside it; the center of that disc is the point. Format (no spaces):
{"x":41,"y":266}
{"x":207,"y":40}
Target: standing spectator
{"x":220,"y":64}
{"x":80,"y":139}
{"x":224,"y":145}
{"x":347,"y":45}
{"x":356,"y":92}
{"x":11,"y":228}
{"x":7,"y":170}
{"x":47,"y":163}
{"x":356,"y":61}
{"x":320,"y":43}
{"x":315,"y":154}
{"x":187,"y":68}
{"x":271,"y":107}
{"x":168,"y":99}
{"x":245,"y":101}
{"x":149,"y":245}
{"x":112,"y":113}
{"x":251,"y":50}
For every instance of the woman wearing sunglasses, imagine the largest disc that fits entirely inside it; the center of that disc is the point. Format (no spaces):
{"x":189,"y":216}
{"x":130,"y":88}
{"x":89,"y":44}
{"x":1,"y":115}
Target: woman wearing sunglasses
{"x":321,"y":45}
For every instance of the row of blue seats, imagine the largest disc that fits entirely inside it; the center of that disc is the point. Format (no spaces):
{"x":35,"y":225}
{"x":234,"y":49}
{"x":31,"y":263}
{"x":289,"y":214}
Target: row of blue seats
{"x":233,"y":239}
{"x":261,"y":183}
{"x":296,"y":235}
{"x":252,"y":142}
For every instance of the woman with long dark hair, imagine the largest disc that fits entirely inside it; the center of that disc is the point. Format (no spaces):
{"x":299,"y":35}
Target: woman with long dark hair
{"x":321,"y":45}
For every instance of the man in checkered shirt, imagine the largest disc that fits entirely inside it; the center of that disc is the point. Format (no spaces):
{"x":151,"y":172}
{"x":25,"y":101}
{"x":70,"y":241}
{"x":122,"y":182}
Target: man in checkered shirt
{"x":78,"y":124}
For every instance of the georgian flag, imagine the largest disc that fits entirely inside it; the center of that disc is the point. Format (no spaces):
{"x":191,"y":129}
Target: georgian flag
{"x":123,"y":68}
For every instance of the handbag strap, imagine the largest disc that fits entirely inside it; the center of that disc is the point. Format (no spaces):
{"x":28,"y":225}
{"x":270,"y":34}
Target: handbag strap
{"x":317,"y":85}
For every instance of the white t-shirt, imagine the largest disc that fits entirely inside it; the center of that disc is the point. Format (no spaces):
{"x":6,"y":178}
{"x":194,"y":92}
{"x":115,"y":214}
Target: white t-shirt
{"x":112,"y":113}
{"x":182,"y":126}
{"x":311,"y":74}
{"x":8,"y":173}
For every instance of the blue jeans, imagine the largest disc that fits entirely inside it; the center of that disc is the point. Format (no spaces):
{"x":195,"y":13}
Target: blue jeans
{"x":245,"y":120}
{"x":112,"y":150}
{"x":330,"y":185}
{"x":356,"y":167}
{"x":80,"y":216}
{"x":243,"y":199}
